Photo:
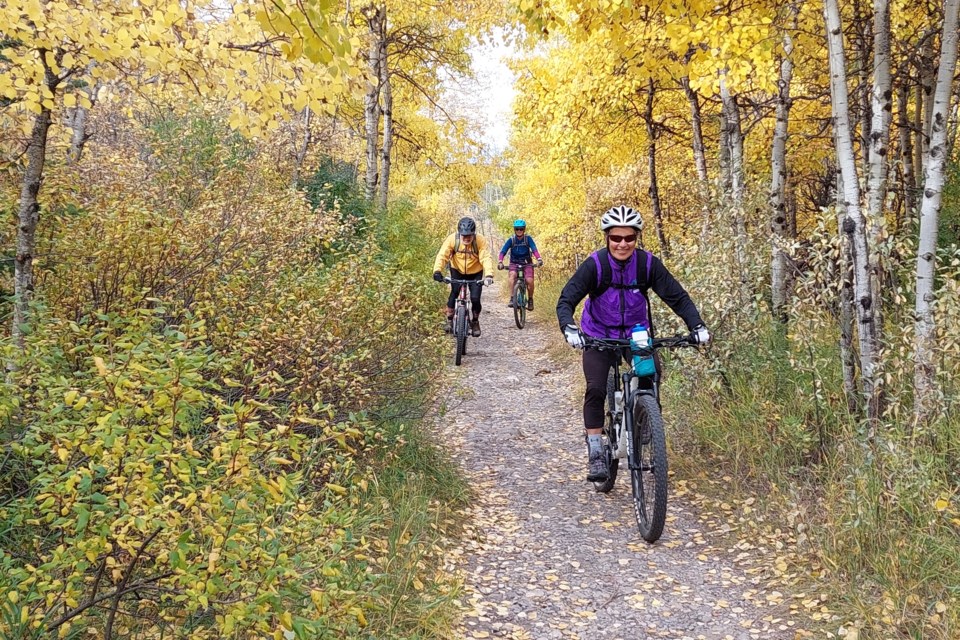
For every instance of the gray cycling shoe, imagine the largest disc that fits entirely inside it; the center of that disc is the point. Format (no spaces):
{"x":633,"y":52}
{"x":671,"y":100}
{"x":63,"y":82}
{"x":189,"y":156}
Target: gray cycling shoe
{"x":475,"y":327}
{"x":597,"y":467}
{"x":448,"y":325}
{"x":530,"y":304}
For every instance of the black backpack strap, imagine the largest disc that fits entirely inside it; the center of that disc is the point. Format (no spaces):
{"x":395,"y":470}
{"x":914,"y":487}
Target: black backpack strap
{"x":606,"y":273}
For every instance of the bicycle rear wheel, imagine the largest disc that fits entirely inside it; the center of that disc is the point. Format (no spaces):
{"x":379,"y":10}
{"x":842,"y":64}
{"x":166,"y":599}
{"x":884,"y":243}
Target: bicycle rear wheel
{"x":520,"y":303}
{"x":610,"y":439}
{"x":460,"y":328}
{"x":648,"y":466}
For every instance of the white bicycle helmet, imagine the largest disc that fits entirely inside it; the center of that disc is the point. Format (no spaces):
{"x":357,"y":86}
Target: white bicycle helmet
{"x":621,"y":216}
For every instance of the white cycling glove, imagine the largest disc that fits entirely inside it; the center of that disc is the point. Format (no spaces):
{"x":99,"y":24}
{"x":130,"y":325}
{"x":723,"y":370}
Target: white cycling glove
{"x":574,"y":336}
{"x":701,"y":335}
{"x":488,"y":280}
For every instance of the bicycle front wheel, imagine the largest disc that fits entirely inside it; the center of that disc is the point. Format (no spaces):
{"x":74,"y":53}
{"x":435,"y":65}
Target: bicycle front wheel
{"x":460,"y":329}
{"x":520,"y":304}
{"x":648,"y":466}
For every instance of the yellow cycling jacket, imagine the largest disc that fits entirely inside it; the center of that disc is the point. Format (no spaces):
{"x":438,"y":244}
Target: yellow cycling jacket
{"x":465,"y":258}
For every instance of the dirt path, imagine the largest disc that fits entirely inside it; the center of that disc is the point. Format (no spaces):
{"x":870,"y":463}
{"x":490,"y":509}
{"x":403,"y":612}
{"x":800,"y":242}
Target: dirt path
{"x":547,"y":557}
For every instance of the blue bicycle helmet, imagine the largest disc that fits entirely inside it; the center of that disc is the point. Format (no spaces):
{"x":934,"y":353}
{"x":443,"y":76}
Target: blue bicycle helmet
{"x":520,"y":224}
{"x":466,"y":227}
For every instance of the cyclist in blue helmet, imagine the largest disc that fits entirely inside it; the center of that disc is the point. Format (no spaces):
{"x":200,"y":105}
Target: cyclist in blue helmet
{"x":522,"y":250}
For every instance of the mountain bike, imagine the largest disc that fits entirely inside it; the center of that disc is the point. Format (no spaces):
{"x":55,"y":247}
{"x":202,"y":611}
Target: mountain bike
{"x":634,"y":432}
{"x":519,"y":297}
{"x":461,"y":316}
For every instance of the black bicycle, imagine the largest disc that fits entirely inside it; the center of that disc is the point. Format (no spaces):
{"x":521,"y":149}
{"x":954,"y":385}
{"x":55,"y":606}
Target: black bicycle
{"x":634,"y":431}
{"x":461,"y":316}
{"x":519,"y":295}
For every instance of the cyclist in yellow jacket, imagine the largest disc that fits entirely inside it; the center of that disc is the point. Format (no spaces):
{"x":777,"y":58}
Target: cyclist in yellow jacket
{"x":469,"y":258}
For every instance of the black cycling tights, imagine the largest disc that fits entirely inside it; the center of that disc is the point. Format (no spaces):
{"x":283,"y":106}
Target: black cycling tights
{"x":596,"y":368}
{"x":474,"y":290}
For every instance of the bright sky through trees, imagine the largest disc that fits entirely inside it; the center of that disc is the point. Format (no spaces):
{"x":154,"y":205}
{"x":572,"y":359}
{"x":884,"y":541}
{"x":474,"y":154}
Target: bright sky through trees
{"x":496,"y":92}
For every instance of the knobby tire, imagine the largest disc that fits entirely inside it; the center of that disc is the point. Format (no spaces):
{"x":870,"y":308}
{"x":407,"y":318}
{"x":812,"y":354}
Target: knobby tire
{"x":460,"y":333}
{"x":519,"y":303}
{"x":648,"y":468}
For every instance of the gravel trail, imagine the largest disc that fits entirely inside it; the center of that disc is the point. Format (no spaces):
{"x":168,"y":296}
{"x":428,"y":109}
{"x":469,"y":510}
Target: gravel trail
{"x":546,"y":557}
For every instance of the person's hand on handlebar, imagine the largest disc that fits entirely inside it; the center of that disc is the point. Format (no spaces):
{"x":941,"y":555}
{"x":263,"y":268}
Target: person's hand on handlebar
{"x":574,"y":336}
{"x":488,"y":280}
{"x":700,"y":335}
{"x":438,"y":276}
{"x":500,"y":266}
{"x":539,"y":262}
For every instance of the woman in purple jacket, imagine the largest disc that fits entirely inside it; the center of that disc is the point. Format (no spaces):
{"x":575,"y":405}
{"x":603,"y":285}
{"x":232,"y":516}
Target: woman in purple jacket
{"x":616,"y":279}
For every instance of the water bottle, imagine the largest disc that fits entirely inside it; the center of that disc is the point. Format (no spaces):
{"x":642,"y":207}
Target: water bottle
{"x":642,"y":365}
{"x":617,"y":401}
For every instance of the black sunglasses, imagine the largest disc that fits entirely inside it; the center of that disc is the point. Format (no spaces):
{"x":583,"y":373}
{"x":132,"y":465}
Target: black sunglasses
{"x":628,"y":239}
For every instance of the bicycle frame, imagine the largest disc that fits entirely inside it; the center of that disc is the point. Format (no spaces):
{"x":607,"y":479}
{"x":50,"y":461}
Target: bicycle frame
{"x":519,"y":295}
{"x":643,"y":445}
{"x":461,"y":315}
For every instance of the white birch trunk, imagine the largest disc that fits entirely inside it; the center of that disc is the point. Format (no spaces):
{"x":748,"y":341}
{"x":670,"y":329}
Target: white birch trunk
{"x":853,"y":223}
{"x":735,"y":138}
{"x":654,"y":189}
{"x":696,"y":121}
{"x":881,"y":107}
{"x":927,"y":80}
{"x":918,"y":129}
{"x":848,"y":360}
{"x":909,"y":186}
{"x":387,"y":94}
{"x":924,"y":372}
{"x":79,"y":121}
{"x":371,"y":103}
{"x":699,"y":158}
{"x":778,"y":181}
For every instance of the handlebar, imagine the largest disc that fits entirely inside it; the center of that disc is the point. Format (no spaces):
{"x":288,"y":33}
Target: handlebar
{"x":615,"y":344}
{"x":448,"y":280}
{"x":533,"y":265}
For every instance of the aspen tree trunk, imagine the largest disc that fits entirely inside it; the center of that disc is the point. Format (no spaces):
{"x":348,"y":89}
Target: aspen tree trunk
{"x":862,"y":48}
{"x":699,"y":151}
{"x":927,"y":79}
{"x":79,"y":136}
{"x":371,"y":102}
{"x":925,"y":370}
{"x":654,"y":190}
{"x":387,"y":92}
{"x":848,"y":360}
{"x":881,"y":107}
{"x":909,"y":186}
{"x":918,"y":131}
{"x":779,"y":223}
{"x":29,"y":213}
{"x":724,"y":154}
{"x":303,"y":147}
{"x":737,"y":186}
{"x":78,"y":123}
{"x":699,"y":157}
{"x":853,"y":224}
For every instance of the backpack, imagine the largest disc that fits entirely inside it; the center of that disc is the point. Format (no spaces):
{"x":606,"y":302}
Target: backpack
{"x":523,"y":243}
{"x":473,"y":245}
{"x":605,"y":277}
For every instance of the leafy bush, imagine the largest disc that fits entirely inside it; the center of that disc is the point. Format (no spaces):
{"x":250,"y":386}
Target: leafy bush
{"x":212,"y":408}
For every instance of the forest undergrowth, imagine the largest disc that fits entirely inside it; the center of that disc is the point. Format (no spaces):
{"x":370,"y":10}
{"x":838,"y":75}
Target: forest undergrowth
{"x":211,"y":429}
